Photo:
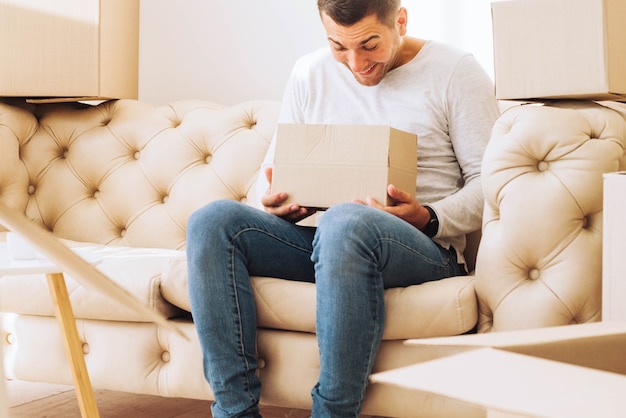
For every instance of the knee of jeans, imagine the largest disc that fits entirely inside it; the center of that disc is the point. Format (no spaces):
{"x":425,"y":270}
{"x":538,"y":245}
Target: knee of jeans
{"x":345,"y":219}
{"x":219,"y":212}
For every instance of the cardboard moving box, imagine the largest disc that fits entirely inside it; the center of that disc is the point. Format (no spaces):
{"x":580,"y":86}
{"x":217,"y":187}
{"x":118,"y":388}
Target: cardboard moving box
{"x":69,"y":49}
{"x":595,"y":345}
{"x":323,"y":165}
{"x":614,"y":248}
{"x":567,"y":371}
{"x":560,"y":49}
{"x":490,"y":383}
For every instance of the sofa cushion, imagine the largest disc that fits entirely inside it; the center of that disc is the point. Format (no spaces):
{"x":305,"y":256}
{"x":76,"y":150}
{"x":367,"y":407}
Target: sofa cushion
{"x":138,"y":270}
{"x":158,"y":277}
{"x":445,"y":307}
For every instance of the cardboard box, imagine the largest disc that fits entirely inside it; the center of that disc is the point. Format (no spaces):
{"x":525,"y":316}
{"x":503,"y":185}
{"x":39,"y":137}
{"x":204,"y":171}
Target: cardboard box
{"x":599,"y":345}
{"x":614,"y":247}
{"x":548,"y":372}
{"x":492,"y":383}
{"x":323,"y":165}
{"x":69,"y":49}
{"x":559,"y":49}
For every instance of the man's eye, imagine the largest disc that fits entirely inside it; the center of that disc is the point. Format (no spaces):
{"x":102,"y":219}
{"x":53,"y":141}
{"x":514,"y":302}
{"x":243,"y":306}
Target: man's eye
{"x":370,"y":48}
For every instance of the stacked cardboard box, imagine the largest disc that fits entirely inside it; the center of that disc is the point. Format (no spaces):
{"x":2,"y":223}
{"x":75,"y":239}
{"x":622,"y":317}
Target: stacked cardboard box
{"x":552,"y":49}
{"x":69,"y":49}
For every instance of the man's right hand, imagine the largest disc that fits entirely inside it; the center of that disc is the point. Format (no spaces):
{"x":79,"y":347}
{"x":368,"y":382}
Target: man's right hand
{"x":274,"y":203}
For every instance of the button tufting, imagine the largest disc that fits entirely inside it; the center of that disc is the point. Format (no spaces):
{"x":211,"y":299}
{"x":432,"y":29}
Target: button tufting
{"x":261,"y":363}
{"x":542,"y":166}
{"x":31,"y":189}
{"x":533,"y":274}
{"x":165,"y":356}
{"x":208,"y":159}
{"x":137,"y":155}
{"x":96,"y":194}
{"x":122,"y":232}
{"x":165,"y":199}
{"x":86,"y":348}
{"x":10,"y":339}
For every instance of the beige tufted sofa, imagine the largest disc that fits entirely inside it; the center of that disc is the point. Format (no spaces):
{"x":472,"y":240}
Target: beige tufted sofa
{"x":122,"y":177}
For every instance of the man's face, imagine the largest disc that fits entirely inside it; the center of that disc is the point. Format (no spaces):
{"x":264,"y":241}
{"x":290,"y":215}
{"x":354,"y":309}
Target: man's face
{"x":368,"y":48}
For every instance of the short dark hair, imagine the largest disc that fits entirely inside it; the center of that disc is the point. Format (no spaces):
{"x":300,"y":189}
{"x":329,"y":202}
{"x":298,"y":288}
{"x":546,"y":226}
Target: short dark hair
{"x":349,"y":12}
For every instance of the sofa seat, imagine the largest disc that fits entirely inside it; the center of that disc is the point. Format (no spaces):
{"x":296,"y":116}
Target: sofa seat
{"x":158,"y":277}
{"x":445,"y":307}
{"x":29,"y":294}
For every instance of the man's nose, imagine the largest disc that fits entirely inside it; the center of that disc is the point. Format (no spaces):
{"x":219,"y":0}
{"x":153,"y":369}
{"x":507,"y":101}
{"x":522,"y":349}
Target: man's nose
{"x":356,"y":61}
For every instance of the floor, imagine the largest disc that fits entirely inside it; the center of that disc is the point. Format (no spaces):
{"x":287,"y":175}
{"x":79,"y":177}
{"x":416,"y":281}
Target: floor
{"x":37,"y":400}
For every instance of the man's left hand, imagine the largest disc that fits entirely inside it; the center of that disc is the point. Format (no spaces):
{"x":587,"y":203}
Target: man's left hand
{"x":406,"y":207}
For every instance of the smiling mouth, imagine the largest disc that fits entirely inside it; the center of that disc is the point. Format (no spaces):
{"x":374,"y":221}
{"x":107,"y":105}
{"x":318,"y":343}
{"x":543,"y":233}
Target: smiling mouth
{"x":368,"y":71}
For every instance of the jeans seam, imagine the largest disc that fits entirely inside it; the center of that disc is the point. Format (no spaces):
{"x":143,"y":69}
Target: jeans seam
{"x":446,"y":259}
{"x":373,"y":349}
{"x":240,"y":337}
{"x":234,"y":289}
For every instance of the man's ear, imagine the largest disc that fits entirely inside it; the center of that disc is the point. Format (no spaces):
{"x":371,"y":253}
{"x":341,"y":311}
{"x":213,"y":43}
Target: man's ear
{"x":401,"y":21}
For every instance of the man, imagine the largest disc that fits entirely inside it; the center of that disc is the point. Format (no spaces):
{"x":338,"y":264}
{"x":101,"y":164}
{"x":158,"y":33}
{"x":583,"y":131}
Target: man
{"x":372,"y":74}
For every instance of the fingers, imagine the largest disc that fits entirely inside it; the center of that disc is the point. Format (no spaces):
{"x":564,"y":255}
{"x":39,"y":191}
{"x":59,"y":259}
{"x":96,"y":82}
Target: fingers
{"x":300,"y":214}
{"x":398,"y":195}
{"x":270,"y":199}
{"x":274,"y":203}
{"x":268,"y":175}
{"x":287,"y":211}
{"x":290,"y":212}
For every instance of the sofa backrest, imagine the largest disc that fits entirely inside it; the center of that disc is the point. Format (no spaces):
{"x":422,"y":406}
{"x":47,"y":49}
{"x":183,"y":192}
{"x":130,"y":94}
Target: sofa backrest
{"x":125,"y":172}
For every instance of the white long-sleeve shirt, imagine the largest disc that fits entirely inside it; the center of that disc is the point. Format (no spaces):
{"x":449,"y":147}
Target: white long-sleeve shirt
{"x":443,"y":95}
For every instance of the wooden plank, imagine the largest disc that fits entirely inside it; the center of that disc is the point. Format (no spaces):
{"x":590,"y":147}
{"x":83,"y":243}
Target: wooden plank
{"x":73,"y":345}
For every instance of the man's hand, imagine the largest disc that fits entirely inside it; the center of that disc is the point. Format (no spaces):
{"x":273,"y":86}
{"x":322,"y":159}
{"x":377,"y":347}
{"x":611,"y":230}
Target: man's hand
{"x":406,"y":207}
{"x":274,"y":203}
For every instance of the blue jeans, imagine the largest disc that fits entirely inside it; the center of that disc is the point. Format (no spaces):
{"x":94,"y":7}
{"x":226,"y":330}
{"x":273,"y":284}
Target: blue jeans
{"x":353,"y":255}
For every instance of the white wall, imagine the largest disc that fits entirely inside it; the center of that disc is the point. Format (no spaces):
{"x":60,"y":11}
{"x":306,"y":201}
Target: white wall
{"x":229,"y":51}
{"x":465,"y":24}
{"x":226,"y":51}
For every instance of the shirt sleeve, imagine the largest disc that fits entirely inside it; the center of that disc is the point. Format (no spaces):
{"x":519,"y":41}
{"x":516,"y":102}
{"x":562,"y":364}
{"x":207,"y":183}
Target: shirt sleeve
{"x":472,"y":111}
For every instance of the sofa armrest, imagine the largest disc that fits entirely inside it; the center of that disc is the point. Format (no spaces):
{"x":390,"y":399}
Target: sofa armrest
{"x":540,"y":259}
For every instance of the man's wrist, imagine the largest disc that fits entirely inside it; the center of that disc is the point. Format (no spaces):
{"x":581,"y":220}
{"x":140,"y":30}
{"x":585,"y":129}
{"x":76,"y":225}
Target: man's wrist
{"x":432,"y":226}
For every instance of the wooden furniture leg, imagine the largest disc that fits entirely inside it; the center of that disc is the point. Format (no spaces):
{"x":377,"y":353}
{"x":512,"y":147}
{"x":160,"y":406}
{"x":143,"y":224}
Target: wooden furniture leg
{"x":73,"y":345}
